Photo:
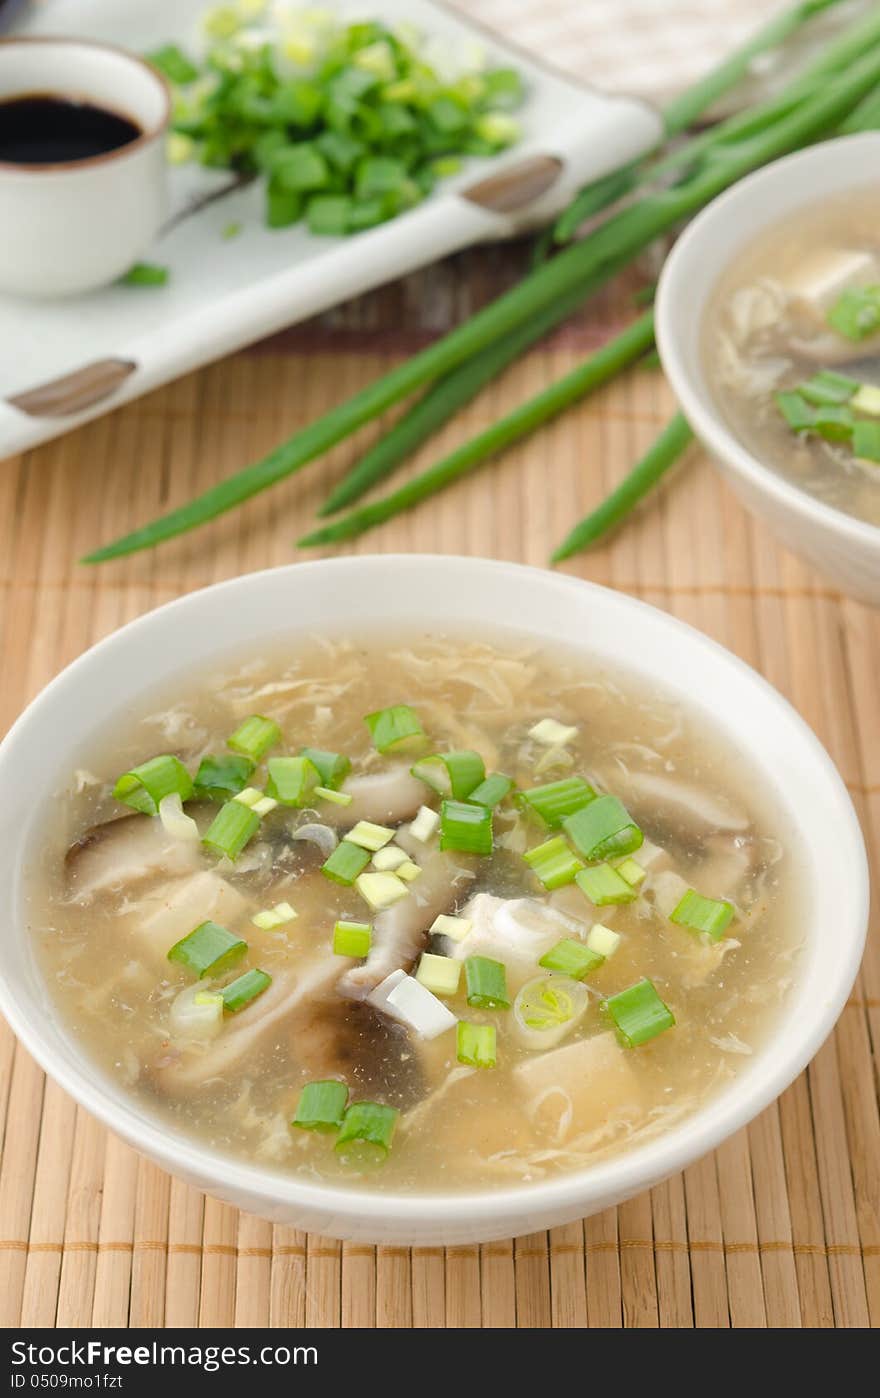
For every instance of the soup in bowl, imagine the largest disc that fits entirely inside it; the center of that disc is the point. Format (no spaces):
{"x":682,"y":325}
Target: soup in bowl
{"x":768,"y":315}
{"x":399,"y":923}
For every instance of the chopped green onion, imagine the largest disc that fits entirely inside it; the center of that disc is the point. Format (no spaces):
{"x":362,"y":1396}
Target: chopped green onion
{"x":292,"y":780}
{"x":833,"y":422}
{"x":321,"y":1106}
{"x":232,"y":827}
{"x":866,"y":441}
{"x":332,"y":766}
{"x":337,"y":798}
{"x":552,"y":733}
{"x":269,"y":918}
{"x":602,"y":885}
{"x":492,"y":791}
{"x":632,"y":871}
{"x":256,"y":800}
{"x":486,"y":982}
{"x":230,"y":231}
{"x":867,"y":400}
{"x":173,"y":62}
{"x":329,"y":215}
{"x":390,"y":858}
{"x":547,"y":1007}
{"x":796,"y":410}
{"x":244,"y":989}
{"x":390,"y":727}
{"x":345,"y":863}
{"x":408,"y":870}
{"x":439,"y":974}
{"x":553,"y":863}
{"x":425,"y":824}
{"x":571,"y":958}
{"x":352,"y":938}
{"x":445,"y":925}
{"x":639,"y":1014}
{"x":710,"y":915}
{"x":828,"y":387}
{"x":557,"y":800}
{"x":603,"y":940}
{"x":465,"y":827}
{"x":380,"y":890}
{"x":222,"y":775}
{"x":475,"y":1044}
{"x":254,"y":737}
{"x":370,"y":836}
{"x":857,"y":313}
{"x":367,"y":1130}
{"x":145,"y":274}
{"x":144,"y":787}
{"x":208,"y":950}
{"x":602,"y":829}
{"x":452,"y":774}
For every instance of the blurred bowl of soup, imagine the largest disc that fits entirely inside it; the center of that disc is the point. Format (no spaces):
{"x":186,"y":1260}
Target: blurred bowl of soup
{"x":743,"y":308}
{"x":734,"y":796}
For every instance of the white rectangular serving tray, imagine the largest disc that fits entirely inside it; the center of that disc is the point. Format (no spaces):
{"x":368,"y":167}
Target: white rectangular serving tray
{"x":224,"y":293}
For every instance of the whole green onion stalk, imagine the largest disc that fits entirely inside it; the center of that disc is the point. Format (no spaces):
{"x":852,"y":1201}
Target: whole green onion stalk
{"x":807,"y":109}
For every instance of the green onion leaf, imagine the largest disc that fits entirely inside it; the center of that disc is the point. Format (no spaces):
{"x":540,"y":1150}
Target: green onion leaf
{"x":333,"y":767}
{"x":710,"y":915}
{"x":557,"y":800}
{"x":145,"y":274}
{"x":221,"y":776}
{"x":390,"y":727}
{"x":292,"y":780}
{"x":571,"y":958}
{"x":454,"y":774}
{"x":553,"y":862}
{"x":603,"y":829}
{"x":254,"y":737}
{"x":321,"y":1106}
{"x":639,"y":1014}
{"x":475,"y":1044}
{"x":231,"y":829}
{"x":866,"y":441}
{"x":367,"y":1131}
{"x":244,"y":989}
{"x":143,"y":787}
{"x":833,"y":422}
{"x":173,"y":62}
{"x":345,"y":863}
{"x":352,"y":938}
{"x":208,"y":950}
{"x":329,"y":215}
{"x":602,"y":884}
{"x":857,"y":313}
{"x":492,"y":791}
{"x":829,"y":387}
{"x":486,"y":982}
{"x":465,"y":827}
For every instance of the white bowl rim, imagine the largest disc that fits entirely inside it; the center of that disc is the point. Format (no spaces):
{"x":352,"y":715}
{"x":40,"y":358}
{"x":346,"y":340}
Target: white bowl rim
{"x":672,"y":288}
{"x":620,"y":1175}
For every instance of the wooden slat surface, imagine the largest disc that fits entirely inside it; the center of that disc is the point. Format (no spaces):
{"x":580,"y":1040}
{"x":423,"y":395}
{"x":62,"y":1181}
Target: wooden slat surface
{"x":781,"y":1227}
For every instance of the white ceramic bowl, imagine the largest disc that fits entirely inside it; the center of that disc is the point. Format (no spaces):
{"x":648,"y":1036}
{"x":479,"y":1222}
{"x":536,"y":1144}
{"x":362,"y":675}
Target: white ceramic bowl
{"x":455,"y":594}
{"x":846,"y":549}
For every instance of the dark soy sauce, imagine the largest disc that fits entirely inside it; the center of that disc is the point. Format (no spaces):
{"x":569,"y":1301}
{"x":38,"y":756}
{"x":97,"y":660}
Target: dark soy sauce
{"x":42,"y":129}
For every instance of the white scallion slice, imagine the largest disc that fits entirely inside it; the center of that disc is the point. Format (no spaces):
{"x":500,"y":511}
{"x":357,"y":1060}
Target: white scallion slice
{"x":602,"y":940}
{"x":380,"y":890}
{"x":547,"y":1008}
{"x":552,"y":733}
{"x":256,"y":800}
{"x":390,"y":858}
{"x":174,"y":819}
{"x":439,"y":974}
{"x":426,"y":824}
{"x":455,"y":927}
{"x":270,"y":918}
{"x":409,"y":871}
{"x":369,"y":836}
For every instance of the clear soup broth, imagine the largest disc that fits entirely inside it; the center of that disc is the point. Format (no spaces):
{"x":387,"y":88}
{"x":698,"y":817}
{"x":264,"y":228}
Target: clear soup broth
{"x":798,"y":313}
{"x":570,"y":1005}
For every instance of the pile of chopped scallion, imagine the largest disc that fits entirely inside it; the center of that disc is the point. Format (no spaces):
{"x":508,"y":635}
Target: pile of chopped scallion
{"x":587,"y":838}
{"x":349,"y":124}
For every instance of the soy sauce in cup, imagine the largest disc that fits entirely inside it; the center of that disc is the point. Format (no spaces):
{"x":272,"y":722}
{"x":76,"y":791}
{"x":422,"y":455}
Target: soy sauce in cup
{"x":42,"y":128}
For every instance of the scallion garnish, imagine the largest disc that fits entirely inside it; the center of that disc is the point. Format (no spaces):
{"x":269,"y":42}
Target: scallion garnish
{"x":798,"y":413}
{"x":829,"y":387}
{"x":336,"y":798}
{"x":292,"y":780}
{"x":222,"y":775}
{"x":234,"y":824}
{"x":638,"y":1013}
{"x":244,"y":989}
{"x":345,"y":863}
{"x":425,"y":825}
{"x":602,"y":829}
{"x":603,"y":940}
{"x":603,"y":884}
{"x":710,"y":915}
{"x":393,"y":726}
{"x":321,"y":1106}
{"x":571,"y":958}
{"x":254,"y":737}
{"x":457,"y":928}
{"x":552,"y":733}
{"x":367,"y":1131}
{"x":465,"y":827}
{"x":439,"y":974}
{"x":333,"y":766}
{"x":557,"y":800}
{"x":208,"y":950}
{"x":370,"y":836}
{"x":352,"y":938}
{"x":486,"y":982}
{"x":866,"y":441}
{"x":268,"y":919}
{"x":380,"y":890}
{"x":452,"y":774}
{"x":256,"y":800}
{"x":475,"y":1044}
{"x":492,"y":791}
{"x":632,"y":871}
{"x":554,"y":863}
{"x":143,"y":787}
{"x":857,"y":312}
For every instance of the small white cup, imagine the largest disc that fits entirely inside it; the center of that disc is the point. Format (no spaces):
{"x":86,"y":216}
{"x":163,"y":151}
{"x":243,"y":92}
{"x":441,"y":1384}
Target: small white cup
{"x":79,"y":224}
